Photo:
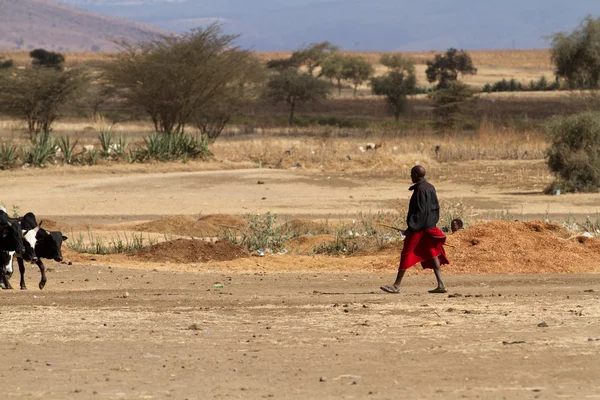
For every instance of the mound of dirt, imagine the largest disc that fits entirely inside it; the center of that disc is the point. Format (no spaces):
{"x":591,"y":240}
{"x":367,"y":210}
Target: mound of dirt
{"x":305,"y":226}
{"x":521,"y":247}
{"x":190,"y":251}
{"x":185,"y":225}
{"x":306,"y":244}
{"x":224,"y":220}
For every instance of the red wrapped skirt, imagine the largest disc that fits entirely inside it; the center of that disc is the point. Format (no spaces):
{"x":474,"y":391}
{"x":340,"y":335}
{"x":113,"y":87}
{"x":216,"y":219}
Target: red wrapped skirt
{"x":421,"y":246}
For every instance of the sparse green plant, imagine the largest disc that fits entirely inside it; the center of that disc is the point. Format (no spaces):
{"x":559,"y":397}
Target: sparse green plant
{"x":91,"y":156}
{"x":9,"y":155}
{"x":453,"y":210}
{"x":97,"y":244}
{"x":106,"y":137}
{"x":15,"y":211}
{"x":40,"y":151}
{"x":261,"y":233}
{"x":67,"y":148}
{"x":182,"y":146}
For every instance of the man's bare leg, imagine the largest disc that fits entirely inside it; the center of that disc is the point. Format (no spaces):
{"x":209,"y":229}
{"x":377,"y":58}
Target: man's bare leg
{"x":395,"y":287}
{"x":441,"y":288}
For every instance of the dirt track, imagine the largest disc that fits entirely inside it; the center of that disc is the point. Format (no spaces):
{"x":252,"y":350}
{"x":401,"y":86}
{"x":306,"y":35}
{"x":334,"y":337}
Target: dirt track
{"x":115,"y":333}
{"x":155,"y":331}
{"x":113,"y":194}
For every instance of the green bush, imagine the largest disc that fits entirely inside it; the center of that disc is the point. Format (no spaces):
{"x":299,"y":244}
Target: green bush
{"x":574,"y":152}
{"x":67,"y":148}
{"x":9,"y":155}
{"x":40,"y":151}
{"x":171,"y":147}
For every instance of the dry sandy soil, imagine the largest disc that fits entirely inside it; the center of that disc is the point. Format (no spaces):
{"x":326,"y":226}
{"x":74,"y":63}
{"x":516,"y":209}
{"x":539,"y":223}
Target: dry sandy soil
{"x":120,"y":327}
{"x":116,"y":333}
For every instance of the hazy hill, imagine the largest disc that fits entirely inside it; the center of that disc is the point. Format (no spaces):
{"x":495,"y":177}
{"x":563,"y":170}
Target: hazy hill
{"x":28,"y":24}
{"x":364,"y":24}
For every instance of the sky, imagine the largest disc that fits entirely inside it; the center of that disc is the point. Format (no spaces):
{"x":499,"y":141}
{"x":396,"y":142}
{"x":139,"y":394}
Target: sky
{"x":363,"y":25}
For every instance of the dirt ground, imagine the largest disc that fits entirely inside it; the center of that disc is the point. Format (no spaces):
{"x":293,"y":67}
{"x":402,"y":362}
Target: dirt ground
{"x":117,"y":333}
{"x":289,"y":326}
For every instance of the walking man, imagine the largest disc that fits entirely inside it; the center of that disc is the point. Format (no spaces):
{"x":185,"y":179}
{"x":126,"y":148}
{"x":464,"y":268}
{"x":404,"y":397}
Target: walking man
{"x":424,"y":242}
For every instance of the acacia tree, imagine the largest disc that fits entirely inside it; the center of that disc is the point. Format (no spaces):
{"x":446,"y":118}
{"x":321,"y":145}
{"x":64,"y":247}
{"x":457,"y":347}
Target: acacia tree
{"x":37,"y":95}
{"x":399,"y":83}
{"x":174,"y":76}
{"x":333,"y":68}
{"x":357,"y":70}
{"x":212,"y":118}
{"x":313,"y":56}
{"x":295,"y":88}
{"x":446,"y":68}
{"x":576,"y":55}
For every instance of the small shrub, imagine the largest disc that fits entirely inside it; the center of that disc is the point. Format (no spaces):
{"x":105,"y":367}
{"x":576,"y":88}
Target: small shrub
{"x":261,"y":233}
{"x":9,"y":155}
{"x":181,"y":146}
{"x":106,"y":141}
{"x":40,"y":151}
{"x":67,"y":148}
{"x":91,"y":156}
{"x":97,"y":244}
{"x":574,"y":152}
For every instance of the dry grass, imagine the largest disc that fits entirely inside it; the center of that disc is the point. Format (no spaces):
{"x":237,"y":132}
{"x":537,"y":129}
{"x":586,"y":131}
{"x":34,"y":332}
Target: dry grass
{"x":21,"y":57}
{"x":538,"y":58}
{"x":331,"y":147}
{"x":341,"y":148}
{"x":493,"y":65}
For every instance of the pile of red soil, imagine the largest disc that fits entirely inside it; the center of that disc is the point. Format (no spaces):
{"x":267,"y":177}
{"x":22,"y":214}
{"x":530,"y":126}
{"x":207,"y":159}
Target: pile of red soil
{"x":307,"y":244}
{"x":190,"y":251}
{"x":185,"y":225}
{"x":521,"y":247}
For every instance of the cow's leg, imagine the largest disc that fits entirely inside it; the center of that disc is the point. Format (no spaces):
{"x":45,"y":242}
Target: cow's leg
{"x":4,"y":279}
{"x":40,"y":264}
{"x":22,"y":272}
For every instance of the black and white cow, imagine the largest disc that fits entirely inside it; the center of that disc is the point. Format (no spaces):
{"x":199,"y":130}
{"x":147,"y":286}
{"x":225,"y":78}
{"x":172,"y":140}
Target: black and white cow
{"x":46,"y":244}
{"x":11,"y":240}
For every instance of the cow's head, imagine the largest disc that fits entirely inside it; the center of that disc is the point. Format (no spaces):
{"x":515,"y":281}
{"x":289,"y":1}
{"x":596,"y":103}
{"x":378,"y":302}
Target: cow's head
{"x":49,"y":244}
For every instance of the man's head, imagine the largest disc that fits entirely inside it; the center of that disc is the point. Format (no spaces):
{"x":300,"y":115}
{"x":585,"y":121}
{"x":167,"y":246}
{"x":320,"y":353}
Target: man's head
{"x":417,"y":173}
{"x":456,"y":224}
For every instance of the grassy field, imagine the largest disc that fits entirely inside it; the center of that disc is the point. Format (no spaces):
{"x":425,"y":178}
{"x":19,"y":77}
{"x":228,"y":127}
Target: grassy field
{"x":493,"y":65}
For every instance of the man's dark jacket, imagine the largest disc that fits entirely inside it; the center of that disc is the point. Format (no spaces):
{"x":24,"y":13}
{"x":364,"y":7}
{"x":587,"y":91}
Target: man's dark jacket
{"x":424,"y":207}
